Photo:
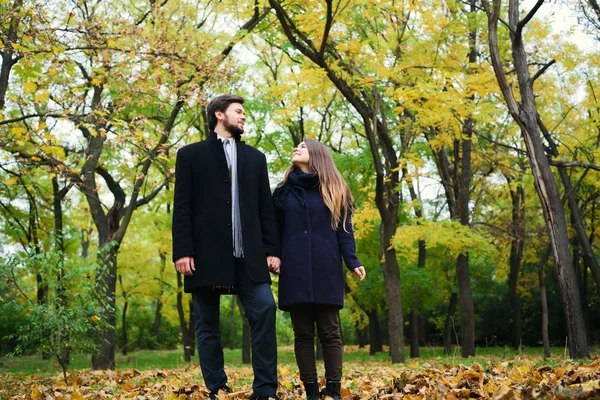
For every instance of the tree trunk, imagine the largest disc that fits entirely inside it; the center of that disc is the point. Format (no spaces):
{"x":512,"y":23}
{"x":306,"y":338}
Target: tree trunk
{"x":159,"y":305}
{"x":85,"y":243}
{"x":585,"y":303}
{"x":246,"y":341}
{"x":106,"y":285}
{"x":577,"y":222}
{"x":544,"y":301}
{"x":516,"y":254}
{"x":58,"y":195}
{"x":525,"y":114}
{"x":8,"y":61}
{"x":232,"y":324}
{"x":375,"y":334}
{"x":414,"y":334}
{"x":449,"y":324}
{"x":467,"y":311}
{"x":192,"y":329}
{"x":467,"y":315}
{"x":362,"y":337}
{"x":186,"y":330}
{"x":124,"y":336}
{"x":391,"y":277}
{"x":157,"y":320}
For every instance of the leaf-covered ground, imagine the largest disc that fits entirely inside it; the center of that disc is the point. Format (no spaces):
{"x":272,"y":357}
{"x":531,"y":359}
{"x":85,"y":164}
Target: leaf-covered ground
{"x":518,"y":378}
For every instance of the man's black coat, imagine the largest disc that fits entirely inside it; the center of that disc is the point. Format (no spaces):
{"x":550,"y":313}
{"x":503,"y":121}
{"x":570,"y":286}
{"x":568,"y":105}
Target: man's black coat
{"x":202,"y":213}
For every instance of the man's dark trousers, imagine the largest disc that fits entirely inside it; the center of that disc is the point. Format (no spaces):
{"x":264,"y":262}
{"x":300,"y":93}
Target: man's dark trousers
{"x":260,"y":308}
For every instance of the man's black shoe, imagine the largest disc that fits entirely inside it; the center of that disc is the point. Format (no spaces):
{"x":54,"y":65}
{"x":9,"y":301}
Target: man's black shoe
{"x":214,"y":394}
{"x":271,"y":397}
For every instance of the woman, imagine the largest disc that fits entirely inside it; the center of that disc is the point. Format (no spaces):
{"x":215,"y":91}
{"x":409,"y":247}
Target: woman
{"x":314,"y":206}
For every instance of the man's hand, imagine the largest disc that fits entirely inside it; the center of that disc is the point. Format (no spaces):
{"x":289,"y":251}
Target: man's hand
{"x":273,"y":263}
{"x":360,"y":272}
{"x":185,"y":265}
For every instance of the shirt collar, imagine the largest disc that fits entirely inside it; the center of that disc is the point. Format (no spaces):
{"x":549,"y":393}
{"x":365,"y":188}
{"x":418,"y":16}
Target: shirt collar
{"x":222,"y":139}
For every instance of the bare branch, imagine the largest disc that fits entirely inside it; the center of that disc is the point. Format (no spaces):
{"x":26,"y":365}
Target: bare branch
{"x":528,"y":17}
{"x":579,"y":164}
{"x":155,"y":191}
{"x":541,"y":71}
{"x":24,"y":117}
{"x":113,"y":185}
{"x":328,"y":24}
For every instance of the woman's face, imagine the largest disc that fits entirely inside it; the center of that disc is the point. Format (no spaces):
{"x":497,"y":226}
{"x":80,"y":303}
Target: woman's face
{"x":300,"y":155}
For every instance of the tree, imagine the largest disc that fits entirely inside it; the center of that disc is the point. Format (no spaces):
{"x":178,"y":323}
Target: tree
{"x":127,"y":120}
{"x":526,"y":116}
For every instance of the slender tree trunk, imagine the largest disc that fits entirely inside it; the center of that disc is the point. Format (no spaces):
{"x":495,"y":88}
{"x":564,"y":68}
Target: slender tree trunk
{"x":391,"y":277}
{"x":467,"y":311}
{"x":159,"y":304}
{"x":246,"y":341}
{"x":544,"y":301}
{"x":362,"y":337}
{"x":516,"y":254}
{"x":577,"y":222}
{"x":449,"y":323}
{"x":124,"y":336}
{"x":192,"y":330}
{"x":375,"y":334}
{"x":7,"y":53}
{"x":585,"y":302}
{"x":232,"y":324}
{"x":525,"y":114}
{"x":186,"y":330}
{"x":157,"y":319}
{"x":414,"y":334}
{"x":58,"y":196}
{"x":415,"y":313}
{"x":85,"y":243}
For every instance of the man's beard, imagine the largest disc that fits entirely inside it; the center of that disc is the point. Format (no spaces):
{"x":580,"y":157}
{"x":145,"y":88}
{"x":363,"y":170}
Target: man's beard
{"x":235,"y":130}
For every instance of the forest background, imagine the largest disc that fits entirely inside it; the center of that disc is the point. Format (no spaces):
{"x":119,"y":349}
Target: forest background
{"x":468,"y":132}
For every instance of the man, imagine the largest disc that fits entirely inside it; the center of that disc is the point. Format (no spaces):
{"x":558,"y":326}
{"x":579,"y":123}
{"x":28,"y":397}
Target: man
{"x":225,"y":237}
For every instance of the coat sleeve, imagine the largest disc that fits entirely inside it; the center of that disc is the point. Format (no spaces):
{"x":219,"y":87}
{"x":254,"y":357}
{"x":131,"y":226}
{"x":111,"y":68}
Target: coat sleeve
{"x":347,"y":244}
{"x":268,"y":221}
{"x":183,"y":242}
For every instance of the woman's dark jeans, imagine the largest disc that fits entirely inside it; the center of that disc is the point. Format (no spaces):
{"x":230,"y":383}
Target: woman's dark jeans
{"x":327,"y":320}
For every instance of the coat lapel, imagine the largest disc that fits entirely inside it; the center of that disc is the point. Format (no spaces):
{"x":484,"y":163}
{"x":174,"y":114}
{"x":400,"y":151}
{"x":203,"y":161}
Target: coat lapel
{"x":241,"y":153}
{"x":218,"y":151}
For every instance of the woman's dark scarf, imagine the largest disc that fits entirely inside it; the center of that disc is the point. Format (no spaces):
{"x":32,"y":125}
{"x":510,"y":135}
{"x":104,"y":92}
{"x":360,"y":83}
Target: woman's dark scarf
{"x":297,"y":184}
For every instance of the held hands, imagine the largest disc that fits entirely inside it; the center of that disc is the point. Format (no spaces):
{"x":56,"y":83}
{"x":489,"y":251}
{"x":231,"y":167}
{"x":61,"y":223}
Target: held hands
{"x":185,"y":265}
{"x":273,"y":263}
{"x":359,"y":272}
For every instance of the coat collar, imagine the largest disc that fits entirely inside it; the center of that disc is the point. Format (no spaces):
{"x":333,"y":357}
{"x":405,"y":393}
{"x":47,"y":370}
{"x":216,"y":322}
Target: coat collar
{"x":240,"y":146}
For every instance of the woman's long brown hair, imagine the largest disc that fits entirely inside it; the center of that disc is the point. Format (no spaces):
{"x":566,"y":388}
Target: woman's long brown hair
{"x":334,"y":190}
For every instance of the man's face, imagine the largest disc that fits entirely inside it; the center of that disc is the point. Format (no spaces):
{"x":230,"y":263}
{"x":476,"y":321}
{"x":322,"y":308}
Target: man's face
{"x":233,"y":119}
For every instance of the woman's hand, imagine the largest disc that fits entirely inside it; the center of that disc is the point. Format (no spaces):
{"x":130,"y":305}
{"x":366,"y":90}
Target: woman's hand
{"x":273,"y":263}
{"x":359,"y":272}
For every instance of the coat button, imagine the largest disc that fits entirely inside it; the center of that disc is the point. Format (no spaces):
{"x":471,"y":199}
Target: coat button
{"x":226,"y":180}
{"x":228,"y":202}
{"x":229,"y":224}
{"x":306,"y":231}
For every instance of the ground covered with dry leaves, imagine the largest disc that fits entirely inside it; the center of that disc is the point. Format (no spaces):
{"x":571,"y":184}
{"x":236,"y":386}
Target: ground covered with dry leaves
{"x":426,"y":379}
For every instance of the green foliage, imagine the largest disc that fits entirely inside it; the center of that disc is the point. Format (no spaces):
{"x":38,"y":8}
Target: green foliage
{"x":69,"y":313}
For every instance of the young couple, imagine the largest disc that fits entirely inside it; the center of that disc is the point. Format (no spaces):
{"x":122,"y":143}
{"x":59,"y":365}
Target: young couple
{"x":229,"y":232}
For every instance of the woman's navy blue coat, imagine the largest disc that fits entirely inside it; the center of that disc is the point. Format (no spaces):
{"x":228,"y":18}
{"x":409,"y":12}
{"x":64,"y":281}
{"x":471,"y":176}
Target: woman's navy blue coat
{"x":312,"y":252}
